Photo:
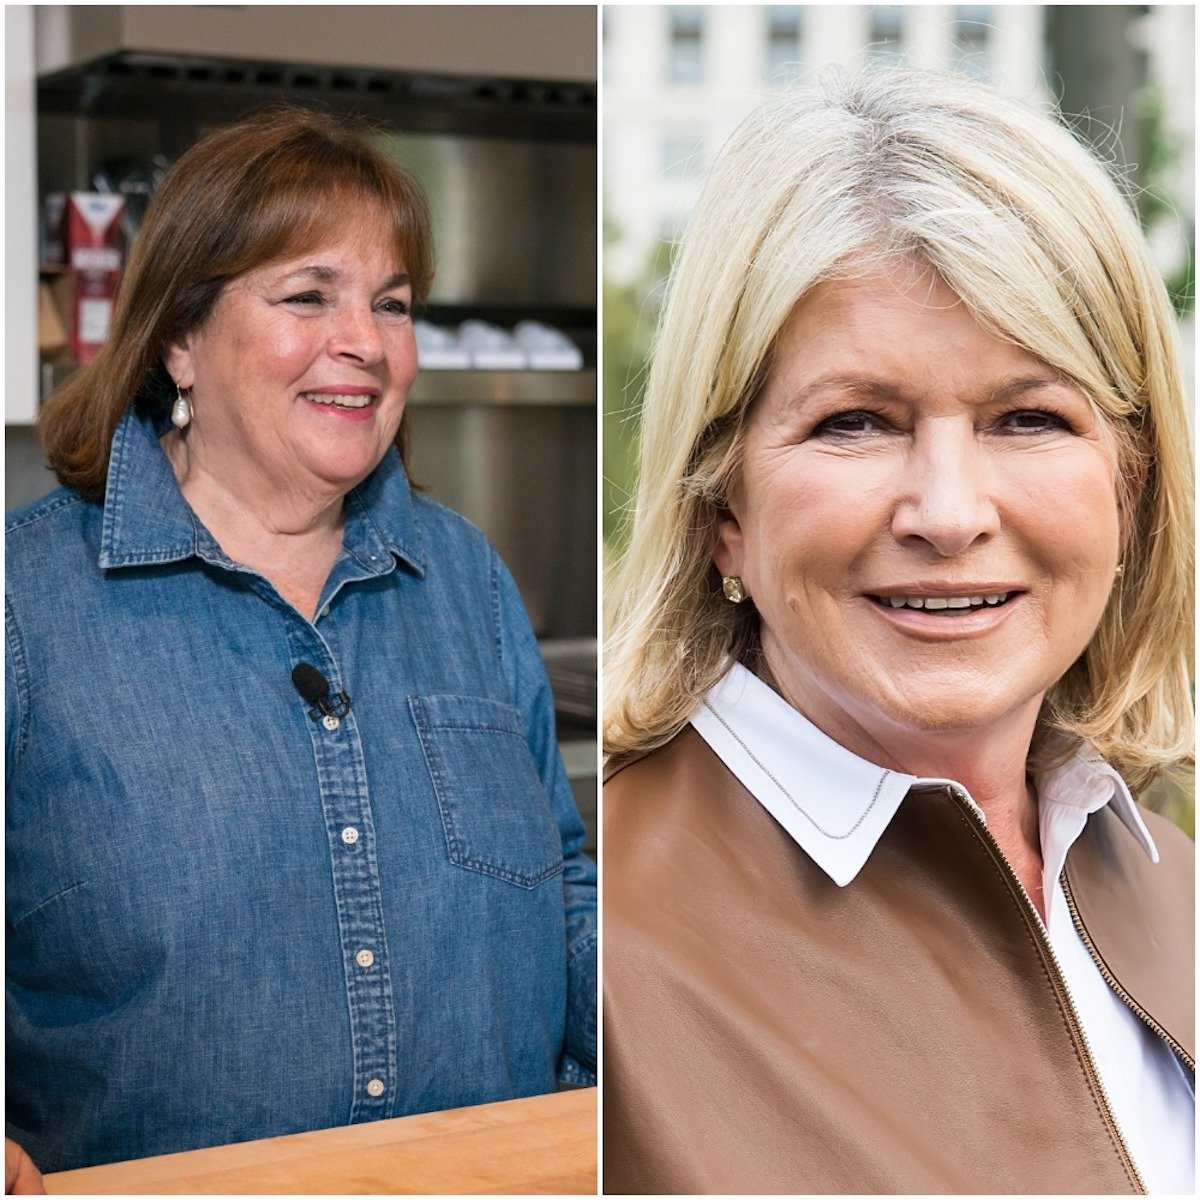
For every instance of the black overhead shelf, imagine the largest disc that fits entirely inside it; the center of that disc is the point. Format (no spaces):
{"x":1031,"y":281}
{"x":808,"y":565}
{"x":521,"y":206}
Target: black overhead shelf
{"x":133,"y":84}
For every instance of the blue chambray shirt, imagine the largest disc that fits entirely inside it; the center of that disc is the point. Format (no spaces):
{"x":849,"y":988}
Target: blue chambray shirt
{"x":226,"y":921}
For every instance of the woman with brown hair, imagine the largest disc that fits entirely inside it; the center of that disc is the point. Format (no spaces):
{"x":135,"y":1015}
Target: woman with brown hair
{"x":290,"y":843}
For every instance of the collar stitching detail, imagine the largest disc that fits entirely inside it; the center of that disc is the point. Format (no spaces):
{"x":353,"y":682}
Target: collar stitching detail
{"x":837,"y":837}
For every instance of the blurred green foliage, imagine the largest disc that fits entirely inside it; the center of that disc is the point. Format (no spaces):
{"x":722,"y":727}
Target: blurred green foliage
{"x":1175,"y":799}
{"x":1155,"y":203}
{"x":630,"y":315}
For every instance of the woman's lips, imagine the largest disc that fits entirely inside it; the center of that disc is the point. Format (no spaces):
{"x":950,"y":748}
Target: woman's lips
{"x":951,"y":603}
{"x":936,"y":621}
{"x":352,"y":404}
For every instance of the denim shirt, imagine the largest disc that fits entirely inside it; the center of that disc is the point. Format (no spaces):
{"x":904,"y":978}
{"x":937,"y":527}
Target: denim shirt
{"x":227,"y":920}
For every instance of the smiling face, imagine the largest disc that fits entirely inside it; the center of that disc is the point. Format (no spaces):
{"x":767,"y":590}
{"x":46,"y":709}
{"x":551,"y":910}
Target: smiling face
{"x":299,"y":376}
{"x":926,"y":517}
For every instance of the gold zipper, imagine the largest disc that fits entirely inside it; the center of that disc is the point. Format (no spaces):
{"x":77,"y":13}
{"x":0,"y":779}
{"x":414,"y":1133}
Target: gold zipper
{"x":1111,"y":980}
{"x":1039,"y":930}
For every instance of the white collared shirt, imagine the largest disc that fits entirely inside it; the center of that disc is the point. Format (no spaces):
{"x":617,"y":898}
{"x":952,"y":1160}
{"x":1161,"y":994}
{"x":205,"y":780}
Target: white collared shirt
{"x":836,"y":807}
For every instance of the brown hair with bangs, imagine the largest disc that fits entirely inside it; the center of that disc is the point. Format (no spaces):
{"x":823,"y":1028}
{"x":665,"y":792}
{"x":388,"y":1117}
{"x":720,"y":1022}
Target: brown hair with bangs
{"x":267,"y":188}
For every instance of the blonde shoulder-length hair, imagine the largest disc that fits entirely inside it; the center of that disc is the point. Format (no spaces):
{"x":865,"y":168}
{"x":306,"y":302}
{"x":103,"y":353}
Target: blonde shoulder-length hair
{"x":1029,"y":230}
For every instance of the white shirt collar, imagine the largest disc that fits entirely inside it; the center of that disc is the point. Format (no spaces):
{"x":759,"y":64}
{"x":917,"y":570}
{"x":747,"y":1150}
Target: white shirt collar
{"x":836,"y":805}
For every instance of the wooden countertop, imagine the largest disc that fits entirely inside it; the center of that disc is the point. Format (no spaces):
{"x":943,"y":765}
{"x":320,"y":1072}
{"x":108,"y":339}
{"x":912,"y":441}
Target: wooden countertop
{"x":545,"y":1144}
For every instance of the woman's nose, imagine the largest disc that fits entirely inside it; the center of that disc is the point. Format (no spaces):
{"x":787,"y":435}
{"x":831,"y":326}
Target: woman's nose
{"x":947,"y":494}
{"x":356,"y":335}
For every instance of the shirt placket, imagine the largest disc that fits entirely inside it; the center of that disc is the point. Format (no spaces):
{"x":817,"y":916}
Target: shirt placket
{"x":354,"y":861}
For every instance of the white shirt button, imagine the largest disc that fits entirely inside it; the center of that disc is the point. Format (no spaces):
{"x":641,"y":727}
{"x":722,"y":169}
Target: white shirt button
{"x":375,"y":1087}
{"x":331,"y":722}
{"x":349,"y":835}
{"x":364,"y":958}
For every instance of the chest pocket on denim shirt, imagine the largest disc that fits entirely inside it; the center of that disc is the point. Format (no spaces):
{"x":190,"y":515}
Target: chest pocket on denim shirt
{"x":494,"y":810}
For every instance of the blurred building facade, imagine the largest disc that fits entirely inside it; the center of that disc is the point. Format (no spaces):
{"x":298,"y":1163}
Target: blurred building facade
{"x":679,"y":78}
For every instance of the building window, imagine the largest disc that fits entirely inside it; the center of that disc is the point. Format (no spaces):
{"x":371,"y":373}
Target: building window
{"x":971,"y":30}
{"x":783,"y":41}
{"x":885,"y":42}
{"x":687,"y":43}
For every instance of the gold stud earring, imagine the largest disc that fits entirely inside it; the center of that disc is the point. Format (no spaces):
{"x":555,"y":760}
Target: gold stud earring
{"x":731,"y":585}
{"x":1120,"y":570}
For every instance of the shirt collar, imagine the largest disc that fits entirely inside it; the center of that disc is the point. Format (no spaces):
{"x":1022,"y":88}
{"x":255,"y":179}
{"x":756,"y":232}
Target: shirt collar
{"x":836,"y":805}
{"x":1067,"y":795}
{"x":147,"y":520}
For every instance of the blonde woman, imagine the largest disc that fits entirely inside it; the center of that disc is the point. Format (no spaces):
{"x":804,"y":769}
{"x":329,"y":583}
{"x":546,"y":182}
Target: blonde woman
{"x":902,"y":634}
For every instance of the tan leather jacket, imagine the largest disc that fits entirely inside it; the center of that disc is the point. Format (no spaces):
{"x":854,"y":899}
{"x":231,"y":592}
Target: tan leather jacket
{"x":768,"y":1031}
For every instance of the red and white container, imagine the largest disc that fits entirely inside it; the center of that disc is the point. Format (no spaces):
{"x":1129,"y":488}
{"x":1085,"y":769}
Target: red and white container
{"x":92,"y":249}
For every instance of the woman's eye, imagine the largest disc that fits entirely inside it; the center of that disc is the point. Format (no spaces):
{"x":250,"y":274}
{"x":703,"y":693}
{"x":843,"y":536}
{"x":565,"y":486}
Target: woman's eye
{"x":1032,"y":420}
{"x":850,"y":424}
{"x":396,"y":306}
{"x":305,"y":298}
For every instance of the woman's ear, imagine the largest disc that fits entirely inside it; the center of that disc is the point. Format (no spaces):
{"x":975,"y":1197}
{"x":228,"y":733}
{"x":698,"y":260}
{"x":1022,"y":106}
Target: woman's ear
{"x":728,"y":553}
{"x":178,"y":361}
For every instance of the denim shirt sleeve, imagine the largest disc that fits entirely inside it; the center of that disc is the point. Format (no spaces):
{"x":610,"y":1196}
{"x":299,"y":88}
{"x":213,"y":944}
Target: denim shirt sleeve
{"x":531,"y":693}
{"x":15,"y":705}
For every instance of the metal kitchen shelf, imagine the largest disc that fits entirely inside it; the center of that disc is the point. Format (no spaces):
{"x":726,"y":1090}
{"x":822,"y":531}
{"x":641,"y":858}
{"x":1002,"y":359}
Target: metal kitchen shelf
{"x":579,"y":757}
{"x":505,"y":387}
{"x":571,"y":669}
{"x":134,"y":84}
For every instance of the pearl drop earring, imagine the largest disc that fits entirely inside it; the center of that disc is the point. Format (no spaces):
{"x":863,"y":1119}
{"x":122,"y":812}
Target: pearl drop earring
{"x":181,"y":410}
